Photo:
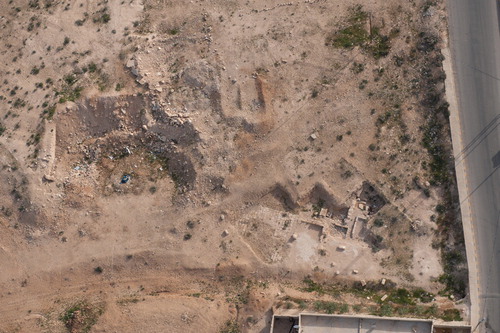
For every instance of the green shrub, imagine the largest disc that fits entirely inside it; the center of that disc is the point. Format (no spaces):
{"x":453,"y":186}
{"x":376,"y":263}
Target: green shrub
{"x":422,"y":295}
{"x":49,"y":112}
{"x":92,"y":67}
{"x":69,"y":94}
{"x":451,"y":315}
{"x":330,"y":307}
{"x":70,"y":79}
{"x":380,"y":44}
{"x":401,"y":296}
{"x":81,"y":316}
{"x":312,"y":286}
{"x":355,"y":34}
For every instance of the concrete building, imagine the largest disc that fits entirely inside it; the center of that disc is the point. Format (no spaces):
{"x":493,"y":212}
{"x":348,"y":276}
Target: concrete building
{"x":323,"y":323}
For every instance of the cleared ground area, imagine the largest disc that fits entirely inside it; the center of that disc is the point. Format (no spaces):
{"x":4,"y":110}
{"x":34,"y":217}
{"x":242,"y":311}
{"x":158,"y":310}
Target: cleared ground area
{"x":173,"y":166}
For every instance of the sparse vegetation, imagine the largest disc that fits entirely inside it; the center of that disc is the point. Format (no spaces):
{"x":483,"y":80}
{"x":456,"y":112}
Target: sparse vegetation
{"x":81,"y":316}
{"x":380,"y":44}
{"x":357,"y":67}
{"x":173,"y":31}
{"x":49,"y":112}
{"x":69,"y":92}
{"x":451,"y":315}
{"x":400,"y":302}
{"x":331,"y":307}
{"x":92,"y":67}
{"x":102,"y":16}
{"x":231,"y":326}
{"x":355,"y":34}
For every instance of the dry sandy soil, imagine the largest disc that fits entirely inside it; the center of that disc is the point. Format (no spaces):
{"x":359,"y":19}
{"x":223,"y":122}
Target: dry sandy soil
{"x":256,"y":149}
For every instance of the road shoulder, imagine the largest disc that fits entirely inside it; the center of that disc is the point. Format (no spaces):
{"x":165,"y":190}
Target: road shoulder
{"x":461,"y":174}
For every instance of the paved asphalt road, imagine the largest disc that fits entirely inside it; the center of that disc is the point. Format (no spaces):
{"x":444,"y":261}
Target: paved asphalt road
{"x":475,"y":48}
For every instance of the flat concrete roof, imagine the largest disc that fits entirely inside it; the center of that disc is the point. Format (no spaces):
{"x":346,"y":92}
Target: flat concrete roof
{"x":317,"y":323}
